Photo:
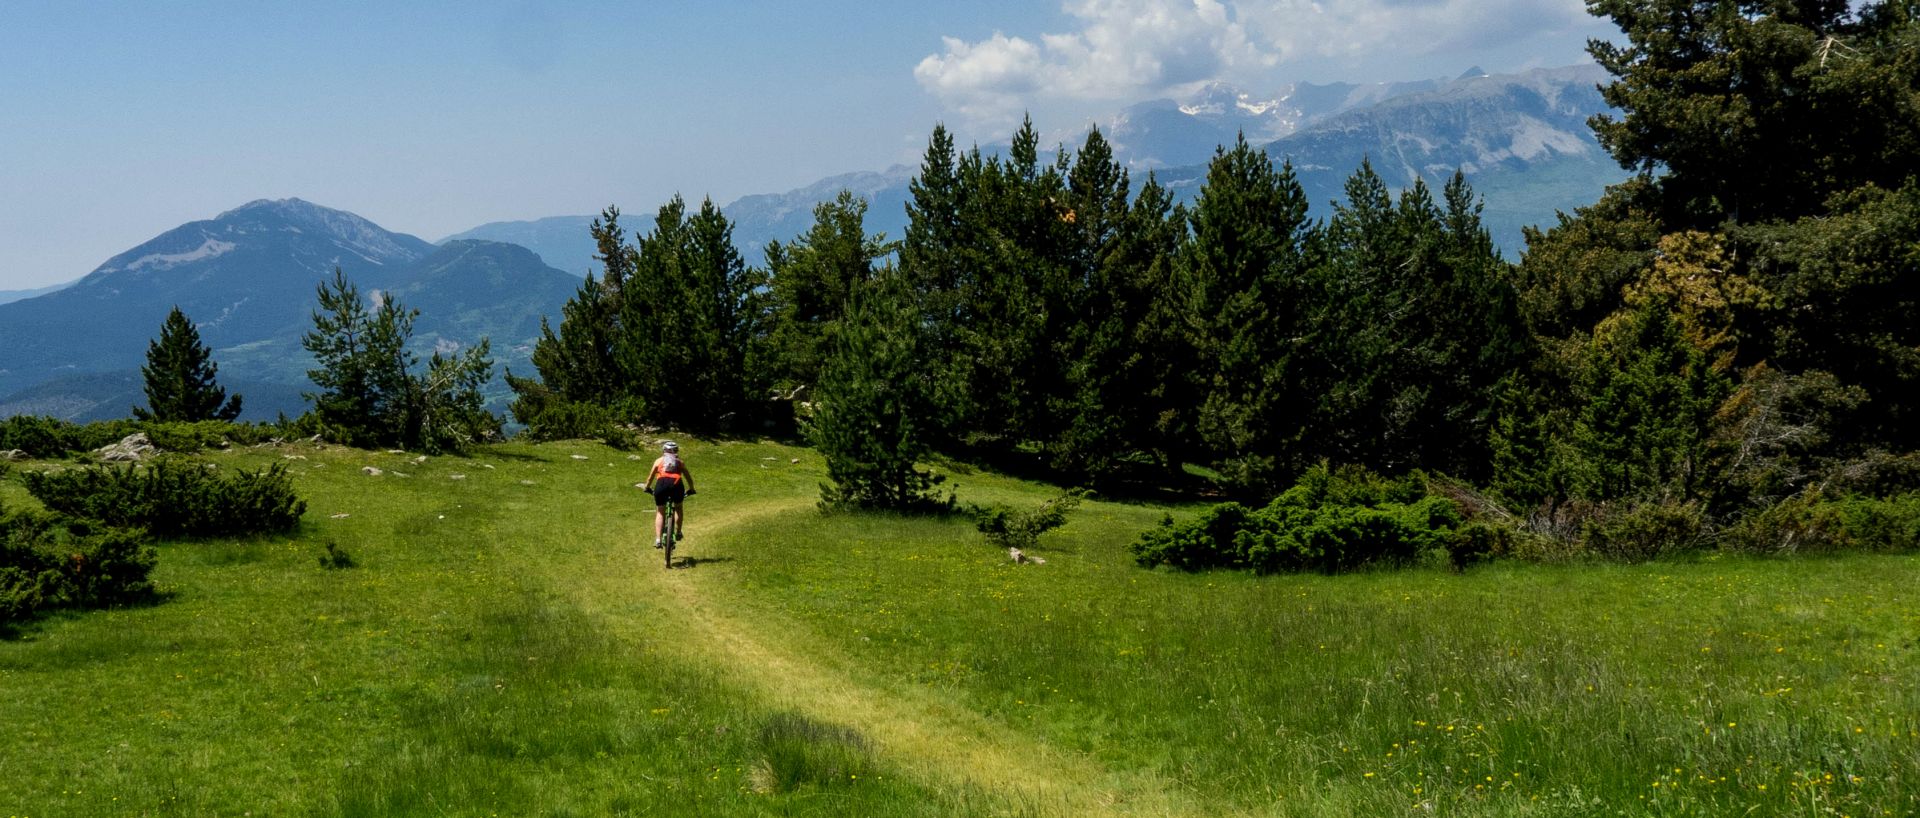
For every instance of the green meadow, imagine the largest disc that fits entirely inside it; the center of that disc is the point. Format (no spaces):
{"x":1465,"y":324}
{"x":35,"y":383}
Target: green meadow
{"x":507,"y":643}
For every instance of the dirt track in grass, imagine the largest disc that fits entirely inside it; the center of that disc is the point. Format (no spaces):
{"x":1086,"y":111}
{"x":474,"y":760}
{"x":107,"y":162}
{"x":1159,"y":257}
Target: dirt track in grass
{"x":920,"y":731}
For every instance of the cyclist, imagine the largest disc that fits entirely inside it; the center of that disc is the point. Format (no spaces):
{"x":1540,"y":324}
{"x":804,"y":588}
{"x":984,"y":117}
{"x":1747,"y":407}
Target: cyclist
{"x":669,"y":480}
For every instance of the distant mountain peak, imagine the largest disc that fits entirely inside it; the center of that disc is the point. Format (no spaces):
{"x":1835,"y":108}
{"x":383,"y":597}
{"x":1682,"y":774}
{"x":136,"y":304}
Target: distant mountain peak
{"x":1217,"y":99}
{"x":1472,"y":73}
{"x":300,"y":212}
{"x":349,"y":231}
{"x":287,"y":205}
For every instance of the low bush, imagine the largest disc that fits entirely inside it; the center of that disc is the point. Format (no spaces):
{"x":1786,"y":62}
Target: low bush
{"x":39,"y":437}
{"x":1815,"y":523}
{"x":48,"y":438}
{"x":1331,"y":520}
{"x":1008,"y":528}
{"x":1637,"y":532}
{"x":48,"y":561}
{"x":173,"y":498}
{"x":569,"y":420}
{"x":186,"y":438}
{"x":1878,"y":475}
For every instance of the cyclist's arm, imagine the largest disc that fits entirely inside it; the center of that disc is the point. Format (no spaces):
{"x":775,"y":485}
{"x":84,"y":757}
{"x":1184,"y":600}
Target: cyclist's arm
{"x":651,"y":473}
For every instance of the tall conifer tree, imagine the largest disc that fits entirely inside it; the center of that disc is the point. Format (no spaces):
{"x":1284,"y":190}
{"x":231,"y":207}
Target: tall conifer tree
{"x":876,"y":404}
{"x":810,"y":281}
{"x":1247,"y":258}
{"x":179,"y":377}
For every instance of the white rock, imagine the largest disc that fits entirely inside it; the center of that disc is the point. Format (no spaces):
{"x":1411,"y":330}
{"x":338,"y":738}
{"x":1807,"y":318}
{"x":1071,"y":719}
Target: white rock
{"x":133,"y":447}
{"x":456,"y":477}
{"x":371,"y":471}
{"x":341,"y":516}
{"x":579,"y":457}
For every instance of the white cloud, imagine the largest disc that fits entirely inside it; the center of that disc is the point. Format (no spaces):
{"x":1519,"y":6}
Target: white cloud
{"x":1132,"y":49}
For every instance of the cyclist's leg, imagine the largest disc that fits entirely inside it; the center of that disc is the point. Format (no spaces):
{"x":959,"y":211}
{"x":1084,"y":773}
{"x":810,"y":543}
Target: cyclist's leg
{"x":659,"y":519}
{"x":680,"y":520}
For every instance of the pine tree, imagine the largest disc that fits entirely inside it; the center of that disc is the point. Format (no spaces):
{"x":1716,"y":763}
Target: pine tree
{"x":689,"y":314}
{"x":931,"y":260}
{"x":1479,"y":339}
{"x":179,"y":377}
{"x":730,"y":302}
{"x":1646,"y":404}
{"x":1014,"y":299}
{"x":577,"y":365}
{"x":1367,"y":379}
{"x":349,"y":365}
{"x":1127,"y":365}
{"x":1416,"y":325}
{"x":876,"y":405}
{"x":810,"y":281}
{"x":369,"y":394}
{"x":1814,"y":91}
{"x":1246,"y":258}
{"x":449,"y":411}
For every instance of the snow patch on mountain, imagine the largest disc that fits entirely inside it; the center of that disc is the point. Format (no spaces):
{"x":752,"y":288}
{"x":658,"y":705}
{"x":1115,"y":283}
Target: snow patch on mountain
{"x":161,"y":261}
{"x":1533,"y":139}
{"x":1530,"y":140}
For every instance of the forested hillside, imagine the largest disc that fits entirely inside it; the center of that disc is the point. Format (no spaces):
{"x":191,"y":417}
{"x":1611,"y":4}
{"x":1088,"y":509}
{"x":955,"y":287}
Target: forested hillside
{"x":1726,"y":332}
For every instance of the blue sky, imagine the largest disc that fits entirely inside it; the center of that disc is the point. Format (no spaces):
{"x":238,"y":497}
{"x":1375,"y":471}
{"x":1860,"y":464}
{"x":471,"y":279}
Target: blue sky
{"x":121,"y":120}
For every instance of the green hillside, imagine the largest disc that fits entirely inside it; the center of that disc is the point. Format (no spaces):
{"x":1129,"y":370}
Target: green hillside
{"x":507,"y":644}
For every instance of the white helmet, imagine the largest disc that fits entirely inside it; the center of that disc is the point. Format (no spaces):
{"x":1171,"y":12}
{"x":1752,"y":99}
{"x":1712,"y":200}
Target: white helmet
{"x":670,"y":447}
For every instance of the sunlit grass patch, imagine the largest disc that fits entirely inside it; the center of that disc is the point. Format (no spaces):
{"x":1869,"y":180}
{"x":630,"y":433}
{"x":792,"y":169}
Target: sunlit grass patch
{"x":508,"y":643}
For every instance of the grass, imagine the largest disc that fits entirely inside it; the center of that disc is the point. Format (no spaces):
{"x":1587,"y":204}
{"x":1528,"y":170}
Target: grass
{"x":506,"y":643}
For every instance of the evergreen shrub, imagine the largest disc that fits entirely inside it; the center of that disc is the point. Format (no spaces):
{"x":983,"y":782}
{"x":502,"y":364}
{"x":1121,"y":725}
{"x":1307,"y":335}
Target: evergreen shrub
{"x":1637,"y":532}
{"x":48,"y":562}
{"x":1008,"y":528}
{"x":1331,"y":520}
{"x":172,"y":498}
{"x":39,"y":437}
{"x":1815,"y":523}
{"x":48,"y":438}
{"x":572,"y":420}
{"x":186,"y":438}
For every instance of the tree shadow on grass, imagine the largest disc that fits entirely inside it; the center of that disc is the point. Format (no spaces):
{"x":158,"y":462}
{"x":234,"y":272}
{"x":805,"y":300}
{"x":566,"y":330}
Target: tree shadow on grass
{"x":29,"y":627}
{"x":1130,"y":481}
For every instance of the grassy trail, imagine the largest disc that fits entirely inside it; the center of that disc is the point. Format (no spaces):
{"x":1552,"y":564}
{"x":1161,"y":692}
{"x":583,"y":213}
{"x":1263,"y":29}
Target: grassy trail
{"x":940,"y":742}
{"x":507,"y":644}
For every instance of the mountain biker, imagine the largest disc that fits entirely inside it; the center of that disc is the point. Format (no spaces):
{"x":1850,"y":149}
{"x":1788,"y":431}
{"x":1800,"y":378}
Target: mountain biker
{"x":670,"y":479}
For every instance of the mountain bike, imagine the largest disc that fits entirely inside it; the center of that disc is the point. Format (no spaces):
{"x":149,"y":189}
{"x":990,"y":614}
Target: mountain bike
{"x":670,"y":528}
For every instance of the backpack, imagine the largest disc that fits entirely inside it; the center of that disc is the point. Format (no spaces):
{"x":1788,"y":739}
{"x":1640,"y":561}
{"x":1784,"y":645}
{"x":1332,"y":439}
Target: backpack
{"x":670,"y":464}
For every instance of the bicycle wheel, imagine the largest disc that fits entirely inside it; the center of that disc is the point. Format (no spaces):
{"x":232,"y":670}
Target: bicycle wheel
{"x":669,"y":528}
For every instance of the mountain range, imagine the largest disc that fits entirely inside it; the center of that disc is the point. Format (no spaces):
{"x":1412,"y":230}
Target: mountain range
{"x":1521,"y":139}
{"x":247,"y":277}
